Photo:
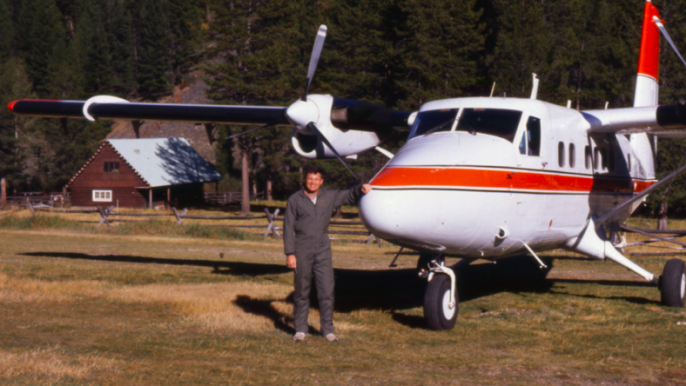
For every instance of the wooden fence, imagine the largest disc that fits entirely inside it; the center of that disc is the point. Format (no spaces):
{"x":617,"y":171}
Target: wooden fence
{"x":270,"y":228}
{"x":51,"y":200}
{"x":227,"y":198}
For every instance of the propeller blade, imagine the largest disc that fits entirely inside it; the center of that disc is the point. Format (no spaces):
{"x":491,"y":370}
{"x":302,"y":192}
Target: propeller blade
{"x":321,"y":136}
{"x":314,"y":59}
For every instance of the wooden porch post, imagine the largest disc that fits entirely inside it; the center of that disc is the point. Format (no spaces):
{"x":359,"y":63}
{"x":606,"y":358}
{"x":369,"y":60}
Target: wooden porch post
{"x":169,"y":196}
{"x":150,"y":199}
{"x":3,"y":194}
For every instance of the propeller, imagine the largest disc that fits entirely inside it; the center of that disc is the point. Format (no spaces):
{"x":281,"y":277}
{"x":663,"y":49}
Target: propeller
{"x":322,"y":138}
{"x":314,"y":59}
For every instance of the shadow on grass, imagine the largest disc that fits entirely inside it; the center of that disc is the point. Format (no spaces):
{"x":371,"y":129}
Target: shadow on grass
{"x":220,"y":267}
{"x":630,"y":299}
{"x":386,"y":290}
{"x":266,"y":309}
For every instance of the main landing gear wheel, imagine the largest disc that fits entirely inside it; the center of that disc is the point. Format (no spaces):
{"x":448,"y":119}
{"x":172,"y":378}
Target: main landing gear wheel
{"x":437,"y":311}
{"x":673,"y":283}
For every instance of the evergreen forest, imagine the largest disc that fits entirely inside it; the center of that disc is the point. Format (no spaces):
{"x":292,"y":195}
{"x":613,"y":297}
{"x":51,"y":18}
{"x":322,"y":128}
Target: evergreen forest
{"x":398,"y":53}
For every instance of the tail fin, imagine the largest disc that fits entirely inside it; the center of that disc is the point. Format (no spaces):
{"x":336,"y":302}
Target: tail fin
{"x":648,"y":60}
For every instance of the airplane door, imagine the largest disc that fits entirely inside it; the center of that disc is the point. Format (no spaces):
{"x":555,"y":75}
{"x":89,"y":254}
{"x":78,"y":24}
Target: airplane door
{"x":532,"y":154}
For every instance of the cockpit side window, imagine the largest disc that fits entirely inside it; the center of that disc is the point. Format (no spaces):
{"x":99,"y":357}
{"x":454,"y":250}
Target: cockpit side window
{"x":531,"y":140}
{"x":428,"y":122}
{"x":499,"y":122}
{"x":533,"y":135}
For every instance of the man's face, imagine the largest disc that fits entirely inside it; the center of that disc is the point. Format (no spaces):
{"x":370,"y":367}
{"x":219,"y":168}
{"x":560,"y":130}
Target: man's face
{"x":313,"y":182}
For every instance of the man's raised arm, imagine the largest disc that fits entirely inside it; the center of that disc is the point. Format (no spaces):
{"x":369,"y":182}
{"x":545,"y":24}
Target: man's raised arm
{"x":350,"y":196}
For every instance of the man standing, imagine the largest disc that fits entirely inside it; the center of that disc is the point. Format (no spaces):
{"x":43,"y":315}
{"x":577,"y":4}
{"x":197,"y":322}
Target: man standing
{"x":308,"y":249}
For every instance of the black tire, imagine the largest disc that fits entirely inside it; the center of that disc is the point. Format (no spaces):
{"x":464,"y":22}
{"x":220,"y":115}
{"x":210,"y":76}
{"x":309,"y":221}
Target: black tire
{"x":438,"y":316}
{"x":673,"y":283}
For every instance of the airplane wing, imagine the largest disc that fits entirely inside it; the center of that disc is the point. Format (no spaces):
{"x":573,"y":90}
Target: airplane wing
{"x":662,"y":121}
{"x":115,"y":108}
{"x":323,"y":126}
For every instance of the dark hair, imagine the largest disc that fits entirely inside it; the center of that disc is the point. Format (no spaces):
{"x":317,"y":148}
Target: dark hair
{"x":313,"y":170}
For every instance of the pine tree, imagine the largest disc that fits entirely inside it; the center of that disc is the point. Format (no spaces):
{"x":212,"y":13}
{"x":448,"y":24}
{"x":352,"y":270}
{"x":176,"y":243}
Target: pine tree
{"x":93,"y":47}
{"x":184,"y":17}
{"x":6,"y":32}
{"x":153,"y":47}
{"x":14,"y":84}
{"x":441,"y":42}
{"x":250,"y":35}
{"x":120,"y":42}
{"x":40,"y":36}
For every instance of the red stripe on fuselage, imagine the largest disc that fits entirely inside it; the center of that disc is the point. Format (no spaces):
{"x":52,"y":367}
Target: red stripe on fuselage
{"x":499,"y":179}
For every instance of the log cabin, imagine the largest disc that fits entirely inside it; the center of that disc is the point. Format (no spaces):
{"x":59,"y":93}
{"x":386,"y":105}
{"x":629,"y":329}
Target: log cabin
{"x":142,"y":173}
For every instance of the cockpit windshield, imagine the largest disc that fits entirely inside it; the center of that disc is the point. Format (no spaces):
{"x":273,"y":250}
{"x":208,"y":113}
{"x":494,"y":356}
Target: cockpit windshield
{"x":498,"y":122}
{"x":428,"y":122}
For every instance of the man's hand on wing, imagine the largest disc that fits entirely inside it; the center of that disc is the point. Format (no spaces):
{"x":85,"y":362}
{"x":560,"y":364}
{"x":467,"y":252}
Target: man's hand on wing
{"x":290,"y":261}
{"x":366,"y":188}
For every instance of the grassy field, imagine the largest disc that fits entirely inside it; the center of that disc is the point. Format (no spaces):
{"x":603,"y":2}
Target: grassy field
{"x":99,"y":307}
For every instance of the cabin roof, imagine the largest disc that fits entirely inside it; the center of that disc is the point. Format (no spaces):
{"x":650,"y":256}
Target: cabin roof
{"x":165,"y":161}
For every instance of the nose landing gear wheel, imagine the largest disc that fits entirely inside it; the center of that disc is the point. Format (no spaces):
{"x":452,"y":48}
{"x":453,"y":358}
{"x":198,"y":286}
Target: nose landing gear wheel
{"x":673,"y":283}
{"x":437,"y":312}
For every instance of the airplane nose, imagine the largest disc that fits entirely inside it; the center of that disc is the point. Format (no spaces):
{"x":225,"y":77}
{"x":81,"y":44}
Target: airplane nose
{"x":382,"y":213}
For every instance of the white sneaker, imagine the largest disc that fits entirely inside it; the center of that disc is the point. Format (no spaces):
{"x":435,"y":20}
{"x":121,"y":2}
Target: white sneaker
{"x":299,"y":337}
{"x":331,"y":338}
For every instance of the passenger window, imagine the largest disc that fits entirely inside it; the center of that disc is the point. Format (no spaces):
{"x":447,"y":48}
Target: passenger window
{"x":596,"y":153}
{"x":561,"y":154}
{"x":588,"y":156}
{"x":603,"y":156}
{"x":533,"y":136}
{"x":572,"y":160}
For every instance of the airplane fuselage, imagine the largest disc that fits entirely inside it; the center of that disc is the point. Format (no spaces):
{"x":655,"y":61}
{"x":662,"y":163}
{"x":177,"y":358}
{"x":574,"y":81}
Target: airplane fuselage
{"x":479,"y":177}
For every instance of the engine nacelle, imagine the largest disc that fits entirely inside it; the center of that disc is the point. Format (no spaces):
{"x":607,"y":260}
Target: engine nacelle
{"x":347,"y":142}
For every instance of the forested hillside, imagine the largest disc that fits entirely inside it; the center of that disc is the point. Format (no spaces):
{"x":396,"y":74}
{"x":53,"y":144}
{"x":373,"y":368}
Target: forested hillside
{"x":399,"y":53}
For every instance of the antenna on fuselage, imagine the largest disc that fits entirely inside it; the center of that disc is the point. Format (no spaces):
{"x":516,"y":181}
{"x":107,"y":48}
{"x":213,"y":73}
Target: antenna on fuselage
{"x":569,"y":103}
{"x":492,"y":90}
{"x":534,"y":91}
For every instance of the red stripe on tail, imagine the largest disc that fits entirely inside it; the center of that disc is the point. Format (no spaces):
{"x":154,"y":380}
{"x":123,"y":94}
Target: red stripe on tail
{"x":648,"y":59}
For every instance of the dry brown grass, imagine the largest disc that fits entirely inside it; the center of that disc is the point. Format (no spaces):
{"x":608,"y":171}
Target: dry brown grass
{"x":52,"y":364}
{"x":104,"y":309}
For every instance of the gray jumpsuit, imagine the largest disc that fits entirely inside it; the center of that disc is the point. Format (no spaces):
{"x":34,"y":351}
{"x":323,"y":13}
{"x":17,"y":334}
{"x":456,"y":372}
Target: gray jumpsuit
{"x":304,"y":235}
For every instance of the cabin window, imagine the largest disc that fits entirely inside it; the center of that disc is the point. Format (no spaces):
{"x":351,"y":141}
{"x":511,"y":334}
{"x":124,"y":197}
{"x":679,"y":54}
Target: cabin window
{"x":428,"y":122}
{"x":102,"y":196}
{"x":498,"y":122}
{"x":561,"y":154}
{"x":111,"y":167}
{"x":610,"y":159}
{"x":572,"y":160}
{"x":603,"y":157}
{"x":596,"y":153}
{"x":533,"y":136}
{"x":588,"y":157}
{"x":531,"y":139}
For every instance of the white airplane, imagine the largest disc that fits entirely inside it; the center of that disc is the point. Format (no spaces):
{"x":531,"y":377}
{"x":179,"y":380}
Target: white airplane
{"x":479,"y":178}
